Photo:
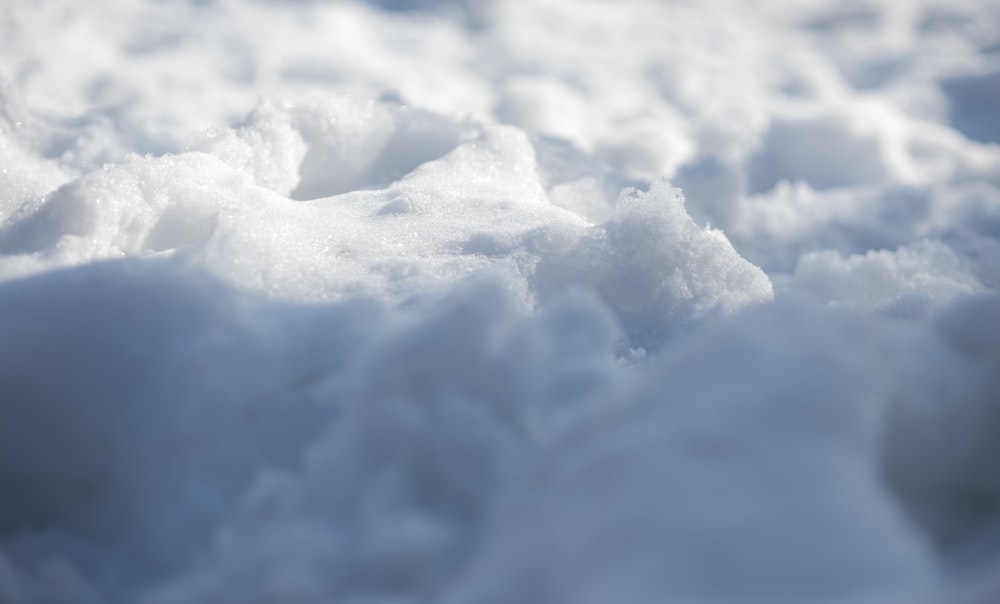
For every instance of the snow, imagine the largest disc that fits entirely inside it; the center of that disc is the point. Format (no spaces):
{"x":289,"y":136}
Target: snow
{"x":482,"y":301}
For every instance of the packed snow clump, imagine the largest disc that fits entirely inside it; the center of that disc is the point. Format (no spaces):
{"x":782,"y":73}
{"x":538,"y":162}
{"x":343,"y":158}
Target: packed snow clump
{"x":655,"y":267}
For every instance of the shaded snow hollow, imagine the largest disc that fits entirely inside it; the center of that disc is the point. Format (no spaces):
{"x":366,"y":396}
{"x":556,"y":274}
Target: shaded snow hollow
{"x":491,"y":301}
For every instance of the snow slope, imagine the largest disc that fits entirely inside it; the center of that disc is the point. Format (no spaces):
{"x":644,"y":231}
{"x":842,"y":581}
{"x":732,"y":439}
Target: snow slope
{"x":489,"y":301}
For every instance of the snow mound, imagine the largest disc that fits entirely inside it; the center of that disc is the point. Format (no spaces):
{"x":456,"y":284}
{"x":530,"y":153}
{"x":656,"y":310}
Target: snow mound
{"x":483,"y":301}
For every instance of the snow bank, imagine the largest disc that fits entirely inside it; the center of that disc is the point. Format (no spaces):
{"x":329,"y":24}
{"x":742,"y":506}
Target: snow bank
{"x":484,"y":301}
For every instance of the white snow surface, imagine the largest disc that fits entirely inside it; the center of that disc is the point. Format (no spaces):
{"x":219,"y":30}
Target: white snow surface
{"x":495,"y":301}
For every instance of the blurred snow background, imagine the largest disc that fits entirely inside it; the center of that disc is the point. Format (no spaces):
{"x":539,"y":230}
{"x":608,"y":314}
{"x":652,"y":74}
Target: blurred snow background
{"x":493,"y":301}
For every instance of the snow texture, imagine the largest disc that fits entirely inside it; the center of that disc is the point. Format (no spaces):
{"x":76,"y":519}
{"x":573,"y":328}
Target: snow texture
{"x":492,"y":301}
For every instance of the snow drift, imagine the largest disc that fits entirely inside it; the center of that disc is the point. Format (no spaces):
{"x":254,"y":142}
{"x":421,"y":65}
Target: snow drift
{"x":492,"y":301}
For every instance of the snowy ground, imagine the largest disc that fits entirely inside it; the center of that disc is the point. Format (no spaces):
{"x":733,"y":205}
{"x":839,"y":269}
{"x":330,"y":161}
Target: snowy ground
{"x":496,"y":301}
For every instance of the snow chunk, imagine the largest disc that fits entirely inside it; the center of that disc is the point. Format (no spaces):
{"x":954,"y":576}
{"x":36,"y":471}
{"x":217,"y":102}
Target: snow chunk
{"x":655,"y":267}
{"x":267,"y":147}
